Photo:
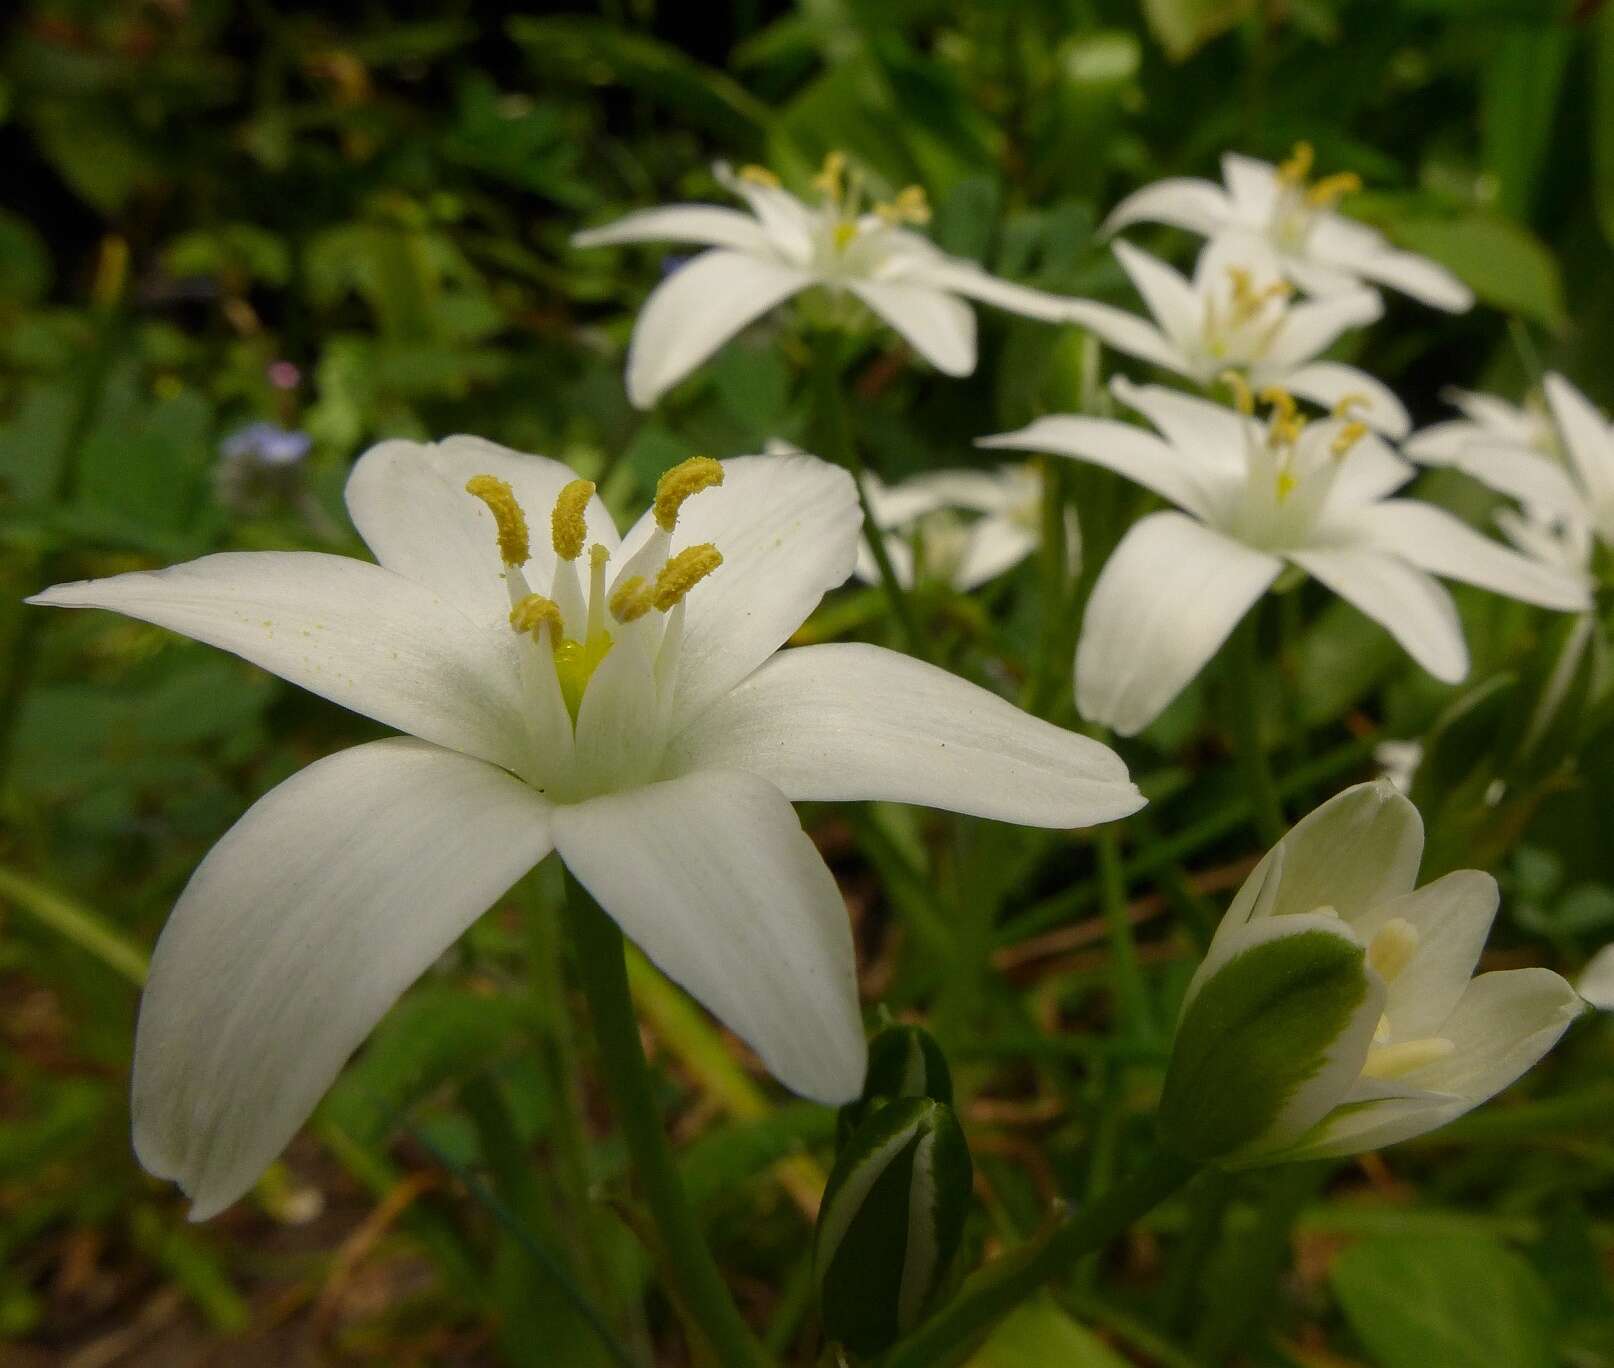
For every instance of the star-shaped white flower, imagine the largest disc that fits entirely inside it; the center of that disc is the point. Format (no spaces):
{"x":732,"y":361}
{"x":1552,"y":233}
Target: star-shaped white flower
{"x":1321,"y":251}
{"x":785,"y":245}
{"x":967,"y":526}
{"x":1558,"y":463}
{"x":1257,"y":496}
{"x":1239,"y":314}
{"x":1430,"y":1040}
{"x":619,"y":701}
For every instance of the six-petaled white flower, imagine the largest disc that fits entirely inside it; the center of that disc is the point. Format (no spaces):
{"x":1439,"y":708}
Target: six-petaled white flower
{"x":1256,"y":496}
{"x":617,"y":700}
{"x":1239,"y":313}
{"x":785,"y":245}
{"x":1322,"y":252}
{"x":1426,"y":1040}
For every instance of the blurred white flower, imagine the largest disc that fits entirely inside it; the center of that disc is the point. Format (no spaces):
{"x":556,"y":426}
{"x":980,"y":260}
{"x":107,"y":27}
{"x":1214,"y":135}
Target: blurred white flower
{"x":1426,"y":1040}
{"x":1596,"y":981}
{"x":1321,"y":251}
{"x":1399,"y":760}
{"x":967,"y":526}
{"x":1238,"y":313}
{"x":1257,"y":496}
{"x":619,"y":701}
{"x":785,"y":245}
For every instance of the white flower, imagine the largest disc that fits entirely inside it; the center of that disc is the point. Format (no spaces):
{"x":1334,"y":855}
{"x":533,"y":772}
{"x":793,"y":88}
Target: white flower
{"x":924,"y":513}
{"x":1428,"y":1041}
{"x":1399,"y":760}
{"x":1559,"y":465}
{"x":1238,"y":314}
{"x":1596,"y":981}
{"x":1321,"y":251}
{"x":783,"y":246}
{"x":631,"y":714}
{"x":1255,"y":497}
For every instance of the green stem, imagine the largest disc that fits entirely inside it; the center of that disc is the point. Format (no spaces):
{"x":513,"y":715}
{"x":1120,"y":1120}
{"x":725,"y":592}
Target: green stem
{"x":1243,"y":672}
{"x":1137,"y":1019}
{"x":1002,"y":1285}
{"x":841,"y":447}
{"x":603,"y":972}
{"x":1053,"y":660}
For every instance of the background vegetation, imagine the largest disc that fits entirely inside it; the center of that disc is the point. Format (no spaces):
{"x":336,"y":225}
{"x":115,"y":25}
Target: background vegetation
{"x":352,"y":222}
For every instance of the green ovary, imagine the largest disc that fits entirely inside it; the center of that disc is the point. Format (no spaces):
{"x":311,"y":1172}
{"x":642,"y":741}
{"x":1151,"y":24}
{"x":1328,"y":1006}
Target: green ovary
{"x":575,"y":663}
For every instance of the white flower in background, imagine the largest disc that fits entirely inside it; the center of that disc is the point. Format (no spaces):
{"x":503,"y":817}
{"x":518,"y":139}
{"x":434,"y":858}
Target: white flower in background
{"x":1321,"y":251}
{"x":968,"y":526}
{"x":1559,"y":465}
{"x":1257,"y":496}
{"x":785,"y":245}
{"x":616,"y":700}
{"x":1239,"y":314}
{"x":1424,"y":1041}
{"x":1596,"y":981}
{"x":1399,"y":760}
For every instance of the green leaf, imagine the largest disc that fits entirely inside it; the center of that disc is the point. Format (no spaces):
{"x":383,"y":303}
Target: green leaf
{"x":1519,"y":91}
{"x":1506,"y":265}
{"x":1459,"y":1303}
{"x":24,"y":260}
{"x":1182,"y":27}
{"x":1040,"y":1332}
{"x":1602,"y":64}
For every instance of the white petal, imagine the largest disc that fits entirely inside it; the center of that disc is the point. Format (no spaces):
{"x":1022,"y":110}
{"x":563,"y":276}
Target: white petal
{"x":788,"y":529}
{"x":1311,"y":326}
{"x":1442,"y":443}
{"x":1402,"y":599}
{"x":1329,"y":382}
{"x":347,"y":630}
{"x":409,"y":503}
{"x":1501,"y":1026}
{"x":1163,"y":604}
{"x":1181,"y":201}
{"x":852,"y":721}
{"x":1439,"y":542}
{"x":1370,"y":471}
{"x":1596,"y":981}
{"x":1129,"y":451}
{"x":713,"y":877}
{"x":936,"y":325}
{"x":1129,"y":334}
{"x":996,"y":546}
{"x":696,"y":310}
{"x":299,"y":929}
{"x":787,"y":221}
{"x":1452,"y":917}
{"x":966,"y":278}
{"x":1495,"y":417}
{"x":1175,"y":304}
{"x":1201,"y":431}
{"x":1418,"y":277}
{"x":708,"y":224}
{"x":1587,"y":439}
{"x":1252,"y":185}
{"x":1532,"y":478}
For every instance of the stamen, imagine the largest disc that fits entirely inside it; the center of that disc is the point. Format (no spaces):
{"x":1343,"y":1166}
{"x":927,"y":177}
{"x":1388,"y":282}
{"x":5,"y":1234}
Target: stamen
{"x":910,"y":206}
{"x":1295,"y":170}
{"x":1346,"y":402}
{"x":830,"y":179}
{"x":568,"y":528}
{"x":1347,"y":437}
{"x":1332,"y":188}
{"x":1392,"y":948}
{"x":759,"y":175}
{"x":683,"y":480}
{"x":683,"y":572}
{"x":1286,"y":485}
{"x":535,"y":611}
{"x":1287,"y":422}
{"x":597,"y":557}
{"x":632,"y":599}
{"x":845,"y":233}
{"x":507,"y":516}
{"x":1392,"y":1061}
{"x":1243,"y":399}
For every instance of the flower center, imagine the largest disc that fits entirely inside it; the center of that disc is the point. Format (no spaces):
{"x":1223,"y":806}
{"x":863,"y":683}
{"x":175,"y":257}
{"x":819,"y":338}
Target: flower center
{"x":1242,"y":320}
{"x":1392,"y":949}
{"x":1298,"y":205}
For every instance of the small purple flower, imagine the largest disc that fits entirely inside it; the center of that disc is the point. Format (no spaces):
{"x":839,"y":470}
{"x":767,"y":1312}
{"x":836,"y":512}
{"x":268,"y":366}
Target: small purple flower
{"x":267,"y":444}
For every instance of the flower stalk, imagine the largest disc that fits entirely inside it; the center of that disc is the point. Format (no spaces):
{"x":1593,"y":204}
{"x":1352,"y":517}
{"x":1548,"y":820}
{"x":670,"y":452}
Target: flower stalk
{"x":1243,"y":715}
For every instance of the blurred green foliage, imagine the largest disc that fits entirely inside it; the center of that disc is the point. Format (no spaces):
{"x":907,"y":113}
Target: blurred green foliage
{"x":353,"y":222}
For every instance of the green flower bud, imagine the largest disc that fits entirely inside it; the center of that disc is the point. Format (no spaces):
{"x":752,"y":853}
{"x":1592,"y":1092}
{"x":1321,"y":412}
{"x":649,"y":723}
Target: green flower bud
{"x":904,"y":1061}
{"x":891,"y":1221}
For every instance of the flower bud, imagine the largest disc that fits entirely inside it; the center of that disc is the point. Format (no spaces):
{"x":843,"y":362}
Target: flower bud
{"x":1275,"y":1030}
{"x":904,"y":1061}
{"x":891,"y":1222}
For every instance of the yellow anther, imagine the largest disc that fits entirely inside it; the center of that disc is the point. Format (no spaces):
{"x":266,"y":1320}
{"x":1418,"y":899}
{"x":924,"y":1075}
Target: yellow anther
{"x":568,"y":528}
{"x":1332,"y":188}
{"x":1347,"y":437}
{"x":910,"y":206}
{"x":1247,"y":300}
{"x":759,"y":175}
{"x":1295,"y":170}
{"x":1392,"y":948}
{"x":845,"y":233}
{"x":1392,"y":1061}
{"x":683,"y":572}
{"x":535,"y":611}
{"x":507,"y":516}
{"x":1283,"y":403}
{"x":1346,"y":402}
{"x":1243,"y":399}
{"x":597,"y":556}
{"x":632,"y":599}
{"x":683,"y":480}
{"x":830,"y":178}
